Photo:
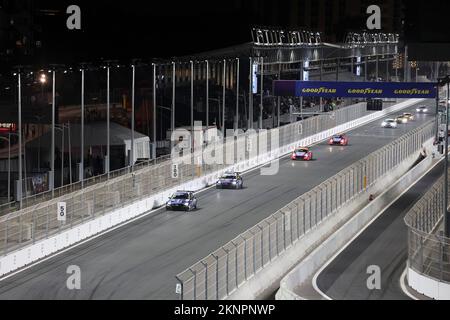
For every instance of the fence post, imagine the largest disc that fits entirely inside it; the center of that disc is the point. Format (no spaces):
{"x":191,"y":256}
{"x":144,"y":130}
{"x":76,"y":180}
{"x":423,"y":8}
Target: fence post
{"x":182,"y":287}
{"x":245,"y":258}
{"x":195,"y":283}
{"x":217,"y":276}
{"x":262,"y":245}
{"x":284,"y":229}
{"x":5,"y":249}
{"x":254,"y":254}
{"x":236,"y":264}
{"x":47,"y":226}
{"x":206,"y":279}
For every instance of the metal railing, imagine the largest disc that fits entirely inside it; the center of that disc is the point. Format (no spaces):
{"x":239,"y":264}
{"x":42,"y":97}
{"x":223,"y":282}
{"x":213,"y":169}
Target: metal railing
{"x":223,"y":271}
{"x":76,"y":186}
{"x":428,"y":249}
{"x":39,"y":221}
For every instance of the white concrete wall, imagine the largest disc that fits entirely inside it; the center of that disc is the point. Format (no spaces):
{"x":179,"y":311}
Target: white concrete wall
{"x":43,"y":248}
{"x":428,"y":286}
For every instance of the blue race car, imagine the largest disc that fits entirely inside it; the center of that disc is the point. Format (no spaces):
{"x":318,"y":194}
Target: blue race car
{"x":230,"y":180}
{"x":182,"y":200}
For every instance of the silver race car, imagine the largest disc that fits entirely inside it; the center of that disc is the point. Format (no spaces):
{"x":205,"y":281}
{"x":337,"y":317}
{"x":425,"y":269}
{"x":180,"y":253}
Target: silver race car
{"x":389,"y":123}
{"x":182,"y":200}
{"x":231,"y":180}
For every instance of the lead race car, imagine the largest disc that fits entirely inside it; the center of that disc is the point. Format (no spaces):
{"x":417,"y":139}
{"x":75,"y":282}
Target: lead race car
{"x":230,"y":180}
{"x":338,"y":139}
{"x":302,"y":153}
{"x":182,"y":200}
{"x":422,"y":109}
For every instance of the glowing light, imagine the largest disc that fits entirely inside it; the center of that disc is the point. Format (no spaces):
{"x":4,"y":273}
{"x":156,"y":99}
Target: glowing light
{"x":43,"y":78}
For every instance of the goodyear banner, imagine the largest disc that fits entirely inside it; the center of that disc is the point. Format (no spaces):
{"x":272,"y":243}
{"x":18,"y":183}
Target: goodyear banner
{"x":330,"y":89}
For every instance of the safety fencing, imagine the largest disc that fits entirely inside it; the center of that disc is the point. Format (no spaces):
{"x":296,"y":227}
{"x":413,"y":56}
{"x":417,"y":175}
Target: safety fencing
{"x":222,"y":272}
{"x":39,"y":221}
{"x":36,"y":232}
{"x":428,"y":248}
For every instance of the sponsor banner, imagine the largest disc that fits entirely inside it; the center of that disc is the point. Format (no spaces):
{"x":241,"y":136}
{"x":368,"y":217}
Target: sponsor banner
{"x":330,"y":89}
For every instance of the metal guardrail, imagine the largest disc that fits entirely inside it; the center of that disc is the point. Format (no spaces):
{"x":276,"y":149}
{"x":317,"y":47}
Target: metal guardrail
{"x":36,"y":222}
{"x":428,"y":250}
{"x":225,"y":270}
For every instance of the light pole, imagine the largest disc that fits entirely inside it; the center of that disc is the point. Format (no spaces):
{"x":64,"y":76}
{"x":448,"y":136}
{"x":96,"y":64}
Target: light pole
{"x":107,"y":162}
{"x":52,"y":151}
{"x":154,"y":113}
{"x":172,"y":118}
{"x":446,"y":213}
{"x":19,"y":131}
{"x":81,"y":173}
{"x":223,"y":96}
{"x":261,"y":106}
{"x":133,"y":82}
{"x":237,"y":94}
{"x":207,"y":96}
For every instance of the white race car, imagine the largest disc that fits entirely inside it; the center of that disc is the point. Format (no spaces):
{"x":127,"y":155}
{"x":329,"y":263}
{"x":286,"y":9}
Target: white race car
{"x":389,"y":123}
{"x":422,"y":109}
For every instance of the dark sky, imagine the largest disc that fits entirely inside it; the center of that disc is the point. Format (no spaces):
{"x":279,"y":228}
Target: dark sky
{"x":116,"y":29}
{"x":164,"y":28}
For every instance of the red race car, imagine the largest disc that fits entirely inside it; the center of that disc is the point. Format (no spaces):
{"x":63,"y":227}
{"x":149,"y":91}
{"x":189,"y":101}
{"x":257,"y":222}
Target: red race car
{"x":338,"y":139}
{"x":302,"y":154}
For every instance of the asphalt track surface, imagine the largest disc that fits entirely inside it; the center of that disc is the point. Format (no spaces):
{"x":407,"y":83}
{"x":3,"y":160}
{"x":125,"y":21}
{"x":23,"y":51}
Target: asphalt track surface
{"x":140,"y":260}
{"x":384,"y":244}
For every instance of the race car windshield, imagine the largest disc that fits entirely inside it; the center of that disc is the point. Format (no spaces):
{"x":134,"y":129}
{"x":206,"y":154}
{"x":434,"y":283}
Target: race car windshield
{"x":180,"y":196}
{"x":229,"y":177}
{"x":302,"y":150}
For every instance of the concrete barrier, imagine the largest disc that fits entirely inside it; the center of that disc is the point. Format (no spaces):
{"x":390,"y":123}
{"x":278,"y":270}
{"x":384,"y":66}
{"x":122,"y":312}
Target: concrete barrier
{"x":43,"y":248}
{"x":333,"y":240}
{"x":428,"y":286}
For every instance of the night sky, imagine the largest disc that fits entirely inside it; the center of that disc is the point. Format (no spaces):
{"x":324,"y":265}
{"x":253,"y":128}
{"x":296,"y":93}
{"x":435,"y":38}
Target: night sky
{"x":151,"y":29}
{"x":112,"y":29}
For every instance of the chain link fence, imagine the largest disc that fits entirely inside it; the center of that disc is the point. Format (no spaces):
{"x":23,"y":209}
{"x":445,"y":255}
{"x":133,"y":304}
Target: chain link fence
{"x":225,"y":270}
{"x":428,"y":249}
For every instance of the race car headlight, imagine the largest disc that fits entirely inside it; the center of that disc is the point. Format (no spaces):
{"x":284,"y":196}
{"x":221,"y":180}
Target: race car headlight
{"x":418,"y":110}
{"x":219,"y":182}
{"x":234,"y":182}
{"x":186,"y":203}
{"x":384,"y":124}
